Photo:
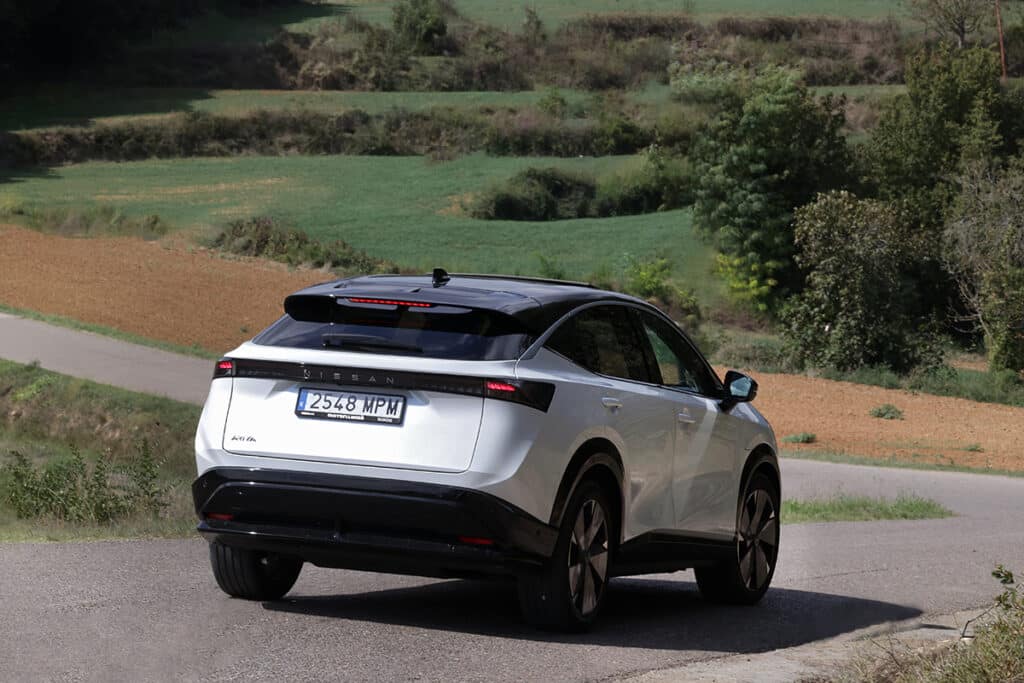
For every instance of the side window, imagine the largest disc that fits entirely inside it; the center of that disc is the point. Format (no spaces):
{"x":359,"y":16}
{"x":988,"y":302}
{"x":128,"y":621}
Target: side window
{"x":680,"y":364}
{"x":603,"y":340}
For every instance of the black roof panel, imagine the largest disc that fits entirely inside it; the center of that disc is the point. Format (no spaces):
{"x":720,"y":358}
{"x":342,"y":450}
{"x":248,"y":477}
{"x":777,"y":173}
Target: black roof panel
{"x":536,"y":303}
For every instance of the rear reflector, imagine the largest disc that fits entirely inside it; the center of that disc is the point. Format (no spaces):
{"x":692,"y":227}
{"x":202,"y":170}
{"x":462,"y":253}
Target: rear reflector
{"x":533,"y":394}
{"x":389,"y":302}
{"x":225,"y":367}
{"x":475,"y":540}
{"x":220,"y":516}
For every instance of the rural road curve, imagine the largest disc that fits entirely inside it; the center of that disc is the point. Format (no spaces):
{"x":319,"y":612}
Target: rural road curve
{"x":131,"y":610}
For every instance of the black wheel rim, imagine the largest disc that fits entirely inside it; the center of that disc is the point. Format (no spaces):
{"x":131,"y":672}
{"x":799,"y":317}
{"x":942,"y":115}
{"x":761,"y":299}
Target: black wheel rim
{"x":588,"y":557}
{"x":758,"y":539}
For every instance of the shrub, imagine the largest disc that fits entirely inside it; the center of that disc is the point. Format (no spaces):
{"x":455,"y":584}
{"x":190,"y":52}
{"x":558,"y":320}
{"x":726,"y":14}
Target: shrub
{"x":658,"y":183}
{"x":553,"y":104}
{"x":538,"y":195}
{"x":264,"y":237}
{"x":867,"y":298}
{"x":887,"y":411}
{"x":802,"y":437}
{"x":650,"y":279}
{"x":419,"y":24}
{"x":69,"y":489}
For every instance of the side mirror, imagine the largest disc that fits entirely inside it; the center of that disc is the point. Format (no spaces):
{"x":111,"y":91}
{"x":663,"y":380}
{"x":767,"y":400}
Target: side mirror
{"x":739,"y":388}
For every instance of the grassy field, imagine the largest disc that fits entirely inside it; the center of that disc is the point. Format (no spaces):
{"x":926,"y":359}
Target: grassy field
{"x":400,"y":208}
{"x":49,"y":106}
{"x":846,"y":508}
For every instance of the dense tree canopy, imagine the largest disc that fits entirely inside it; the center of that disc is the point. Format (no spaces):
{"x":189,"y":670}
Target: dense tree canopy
{"x":764,"y":154}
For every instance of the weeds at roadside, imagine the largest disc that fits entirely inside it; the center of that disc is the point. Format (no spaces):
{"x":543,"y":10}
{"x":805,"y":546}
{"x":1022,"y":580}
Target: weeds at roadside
{"x":802,"y":437}
{"x":70,"y":489}
{"x":846,"y":508}
{"x":995,"y":652}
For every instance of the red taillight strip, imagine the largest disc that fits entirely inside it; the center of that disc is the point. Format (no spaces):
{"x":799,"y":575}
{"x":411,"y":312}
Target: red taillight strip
{"x":388,"y":302}
{"x":225,"y":367}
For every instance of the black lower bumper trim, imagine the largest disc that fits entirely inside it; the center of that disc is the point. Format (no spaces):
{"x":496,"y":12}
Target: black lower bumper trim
{"x":370,"y":524}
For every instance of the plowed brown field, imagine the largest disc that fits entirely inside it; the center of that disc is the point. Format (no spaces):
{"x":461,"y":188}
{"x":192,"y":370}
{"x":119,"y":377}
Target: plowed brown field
{"x":189,"y":296}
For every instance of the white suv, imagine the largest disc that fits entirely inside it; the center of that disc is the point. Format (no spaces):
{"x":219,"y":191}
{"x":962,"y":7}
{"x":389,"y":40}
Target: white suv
{"x":471,"y":425}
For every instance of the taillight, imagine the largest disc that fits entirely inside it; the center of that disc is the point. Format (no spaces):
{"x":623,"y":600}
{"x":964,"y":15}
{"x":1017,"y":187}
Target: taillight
{"x":476,"y":540}
{"x":533,"y":394}
{"x":225,"y":367}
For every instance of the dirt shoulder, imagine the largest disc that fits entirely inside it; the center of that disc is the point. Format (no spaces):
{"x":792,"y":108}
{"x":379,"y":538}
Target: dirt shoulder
{"x":188,"y":296}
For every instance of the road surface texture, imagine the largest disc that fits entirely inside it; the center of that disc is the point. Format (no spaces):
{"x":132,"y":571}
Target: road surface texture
{"x":137,"y":610}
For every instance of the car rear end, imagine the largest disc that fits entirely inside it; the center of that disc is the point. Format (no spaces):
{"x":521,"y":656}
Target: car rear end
{"x":359,"y":431}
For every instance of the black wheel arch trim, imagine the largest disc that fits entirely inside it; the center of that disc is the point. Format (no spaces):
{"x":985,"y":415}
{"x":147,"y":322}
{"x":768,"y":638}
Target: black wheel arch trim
{"x":760,"y":458}
{"x":594,"y":453}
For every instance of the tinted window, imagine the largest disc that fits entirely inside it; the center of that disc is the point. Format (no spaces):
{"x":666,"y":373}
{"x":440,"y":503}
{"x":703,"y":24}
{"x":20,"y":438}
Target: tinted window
{"x":450,"y":332}
{"x":678,"y":362}
{"x":602,"y":340}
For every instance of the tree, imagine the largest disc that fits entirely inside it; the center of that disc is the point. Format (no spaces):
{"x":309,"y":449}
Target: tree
{"x":865,"y":302}
{"x":770,"y":149}
{"x":957,"y":19}
{"x":954,"y":103}
{"x":985,"y":252}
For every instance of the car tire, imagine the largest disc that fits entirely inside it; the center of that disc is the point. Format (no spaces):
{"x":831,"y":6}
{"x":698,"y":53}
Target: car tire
{"x":745,"y":578}
{"x":253,"y":575}
{"x":567,"y":594}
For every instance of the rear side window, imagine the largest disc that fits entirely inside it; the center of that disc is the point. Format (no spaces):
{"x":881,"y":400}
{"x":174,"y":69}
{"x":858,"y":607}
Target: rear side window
{"x":449,"y":332}
{"x":604,"y":340}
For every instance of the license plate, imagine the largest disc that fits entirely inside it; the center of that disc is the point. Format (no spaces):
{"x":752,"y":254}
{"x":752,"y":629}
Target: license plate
{"x":350,"y":406}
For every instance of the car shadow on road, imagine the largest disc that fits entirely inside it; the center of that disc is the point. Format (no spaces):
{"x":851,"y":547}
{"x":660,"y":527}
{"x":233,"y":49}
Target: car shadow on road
{"x":644,"y":613}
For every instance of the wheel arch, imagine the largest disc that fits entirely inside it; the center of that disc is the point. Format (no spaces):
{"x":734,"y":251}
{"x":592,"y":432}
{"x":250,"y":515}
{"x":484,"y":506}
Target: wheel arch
{"x":597,"y":458}
{"x":762,"y":459}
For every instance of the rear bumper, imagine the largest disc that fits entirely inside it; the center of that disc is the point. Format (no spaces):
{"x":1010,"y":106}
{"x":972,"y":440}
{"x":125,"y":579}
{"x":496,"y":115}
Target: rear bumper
{"x":370,"y":524}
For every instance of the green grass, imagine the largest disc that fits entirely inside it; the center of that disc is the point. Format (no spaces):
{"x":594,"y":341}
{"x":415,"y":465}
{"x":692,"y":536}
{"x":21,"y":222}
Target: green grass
{"x":398,"y":208}
{"x":897,"y":463}
{"x":110,"y":332}
{"x":846,"y":508}
{"x":554,"y":12}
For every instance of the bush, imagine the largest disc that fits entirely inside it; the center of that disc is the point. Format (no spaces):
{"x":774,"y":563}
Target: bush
{"x":263,"y":237}
{"x":802,"y":437}
{"x":658,"y":183}
{"x":538,"y":195}
{"x":867,"y":297}
{"x":650,"y":279}
{"x":71,"y":490}
{"x":887,"y":411}
{"x":419,"y":24}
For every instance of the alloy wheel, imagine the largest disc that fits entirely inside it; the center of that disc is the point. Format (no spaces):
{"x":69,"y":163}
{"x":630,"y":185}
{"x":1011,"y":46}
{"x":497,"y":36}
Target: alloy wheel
{"x":758,"y":539}
{"x":588,"y":557}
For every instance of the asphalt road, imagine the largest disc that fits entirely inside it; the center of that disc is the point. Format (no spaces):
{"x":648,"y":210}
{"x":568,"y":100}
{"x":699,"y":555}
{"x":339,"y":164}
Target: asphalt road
{"x":136,"y":610}
{"x":104,"y":359}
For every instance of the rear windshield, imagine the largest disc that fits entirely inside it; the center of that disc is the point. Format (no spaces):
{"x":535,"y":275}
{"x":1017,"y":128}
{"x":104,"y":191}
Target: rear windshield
{"x":450,"y":332}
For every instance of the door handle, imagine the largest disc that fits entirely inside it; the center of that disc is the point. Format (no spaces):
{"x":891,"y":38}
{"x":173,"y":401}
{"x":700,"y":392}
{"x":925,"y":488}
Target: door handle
{"x":611,"y":403}
{"x":685,"y":418}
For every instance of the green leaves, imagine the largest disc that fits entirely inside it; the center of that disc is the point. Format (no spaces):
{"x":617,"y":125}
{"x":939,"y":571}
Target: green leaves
{"x":769,"y":149}
{"x":867,"y":301}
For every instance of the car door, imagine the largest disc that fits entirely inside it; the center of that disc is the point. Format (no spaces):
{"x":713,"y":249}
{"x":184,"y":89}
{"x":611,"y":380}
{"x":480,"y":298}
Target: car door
{"x":605,"y":341}
{"x":705,"y":453}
